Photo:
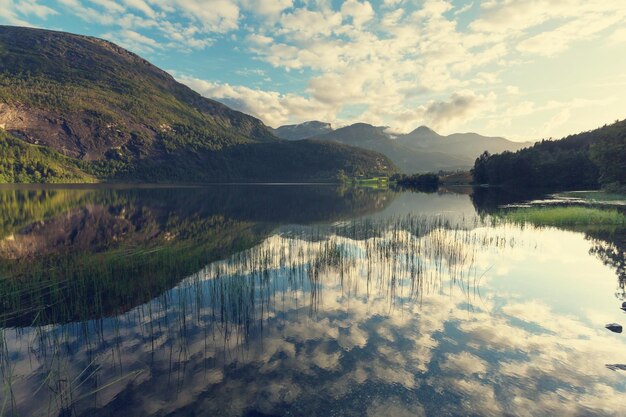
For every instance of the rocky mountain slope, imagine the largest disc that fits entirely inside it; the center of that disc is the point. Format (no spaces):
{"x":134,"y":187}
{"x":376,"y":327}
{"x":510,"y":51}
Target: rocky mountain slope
{"x":118,"y":117}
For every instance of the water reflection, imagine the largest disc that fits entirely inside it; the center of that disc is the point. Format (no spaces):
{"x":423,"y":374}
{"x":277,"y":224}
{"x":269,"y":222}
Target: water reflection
{"x":99,"y":252}
{"x":608,"y":241}
{"x":390,"y":312}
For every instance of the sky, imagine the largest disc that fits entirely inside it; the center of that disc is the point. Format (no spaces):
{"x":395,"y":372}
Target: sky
{"x":523,"y":69}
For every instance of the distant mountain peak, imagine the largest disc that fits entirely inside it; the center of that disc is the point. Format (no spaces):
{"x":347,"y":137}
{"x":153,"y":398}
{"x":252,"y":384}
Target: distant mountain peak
{"x":365,"y":126}
{"x":316,"y":123}
{"x":303,"y":130}
{"x":424,"y":131}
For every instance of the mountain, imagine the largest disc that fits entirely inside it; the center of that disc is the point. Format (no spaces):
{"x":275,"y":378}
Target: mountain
{"x":406,"y":157}
{"x":578,"y":161}
{"x":99,"y":112}
{"x":421,"y":150}
{"x":422,"y":134}
{"x":303,"y":130}
{"x":463,"y":145}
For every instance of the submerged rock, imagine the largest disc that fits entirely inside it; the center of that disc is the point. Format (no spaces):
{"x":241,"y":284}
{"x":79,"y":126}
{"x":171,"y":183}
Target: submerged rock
{"x":614,"y":327}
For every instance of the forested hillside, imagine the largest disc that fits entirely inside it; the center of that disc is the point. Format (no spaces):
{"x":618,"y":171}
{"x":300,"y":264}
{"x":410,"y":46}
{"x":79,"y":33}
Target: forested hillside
{"x":22,"y":162}
{"x":588,"y":159}
{"x":97,"y":111}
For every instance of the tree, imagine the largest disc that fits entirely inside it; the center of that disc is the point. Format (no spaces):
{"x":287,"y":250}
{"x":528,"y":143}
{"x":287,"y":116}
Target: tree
{"x":479,"y":172}
{"x":341,"y":176}
{"x":609,"y":155}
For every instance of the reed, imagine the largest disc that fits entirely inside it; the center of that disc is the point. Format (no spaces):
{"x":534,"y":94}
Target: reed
{"x":227,"y":301}
{"x":566,"y":216}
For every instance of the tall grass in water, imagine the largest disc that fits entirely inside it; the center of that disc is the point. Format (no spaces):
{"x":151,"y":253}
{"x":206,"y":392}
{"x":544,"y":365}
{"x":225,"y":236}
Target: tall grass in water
{"x":395,"y":261}
{"x":566,"y":216}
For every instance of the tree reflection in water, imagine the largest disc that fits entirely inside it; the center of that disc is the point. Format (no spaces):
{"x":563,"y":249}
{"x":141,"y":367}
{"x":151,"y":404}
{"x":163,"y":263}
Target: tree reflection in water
{"x":371,"y":315}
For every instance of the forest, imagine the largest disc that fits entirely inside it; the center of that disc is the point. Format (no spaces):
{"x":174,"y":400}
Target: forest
{"x":585,"y":160}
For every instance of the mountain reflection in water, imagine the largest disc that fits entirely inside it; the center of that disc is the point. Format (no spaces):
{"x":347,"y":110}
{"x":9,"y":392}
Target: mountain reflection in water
{"x":301,"y":301}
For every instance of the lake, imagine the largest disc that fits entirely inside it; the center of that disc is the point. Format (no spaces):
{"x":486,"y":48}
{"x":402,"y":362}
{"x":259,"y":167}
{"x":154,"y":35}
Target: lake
{"x":295,"y":300}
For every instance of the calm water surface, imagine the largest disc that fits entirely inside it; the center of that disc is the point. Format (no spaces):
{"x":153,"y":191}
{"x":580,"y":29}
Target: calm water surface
{"x":302,"y":301}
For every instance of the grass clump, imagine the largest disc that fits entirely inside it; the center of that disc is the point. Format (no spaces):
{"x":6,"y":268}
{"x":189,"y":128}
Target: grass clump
{"x":565,"y":216}
{"x":595,"y":196}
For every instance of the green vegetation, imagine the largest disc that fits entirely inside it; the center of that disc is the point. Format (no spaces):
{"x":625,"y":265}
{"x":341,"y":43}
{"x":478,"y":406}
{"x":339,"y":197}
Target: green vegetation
{"x":455,"y":178}
{"x":281,"y":161}
{"x":566,"y":216}
{"x":370,"y":182}
{"x":594,"y":197}
{"x":19,"y":208}
{"x":22,"y":162}
{"x":85,"y":285}
{"x":116,"y":117}
{"x":609,"y":155}
{"x":104,"y":84}
{"x":424,"y":182}
{"x":584,"y":160}
{"x":75,"y":254}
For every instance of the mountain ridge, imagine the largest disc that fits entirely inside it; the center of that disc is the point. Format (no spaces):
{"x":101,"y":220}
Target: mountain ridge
{"x":404,"y":157}
{"x":120,"y":118}
{"x":302,"y":130}
{"x":420,"y":150}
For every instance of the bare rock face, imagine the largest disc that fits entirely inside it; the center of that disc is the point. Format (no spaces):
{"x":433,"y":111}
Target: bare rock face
{"x":71,"y":133}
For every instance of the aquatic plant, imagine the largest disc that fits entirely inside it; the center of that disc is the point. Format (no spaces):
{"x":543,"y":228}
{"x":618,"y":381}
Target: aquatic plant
{"x":566,"y":216}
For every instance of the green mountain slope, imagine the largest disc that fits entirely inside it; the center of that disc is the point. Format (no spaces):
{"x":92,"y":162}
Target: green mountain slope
{"x":577,"y":161}
{"x":22,"y":162}
{"x":93,"y":101}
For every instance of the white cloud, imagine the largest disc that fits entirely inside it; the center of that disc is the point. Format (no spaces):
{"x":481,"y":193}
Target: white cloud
{"x":276,"y":109}
{"x":558,"y":40}
{"x":17,"y":12}
{"x":194,"y":31}
{"x":461,"y":105}
{"x":142,"y":6}
{"x":273,"y":108}
{"x":267,"y":7}
{"x":463,"y":9}
{"x":359,"y":12}
{"x":394,"y":61}
{"x":218,"y":16}
{"x":32,"y":8}
{"x":133,"y":41}
{"x":110,"y":6}
{"x":304,"y":24}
